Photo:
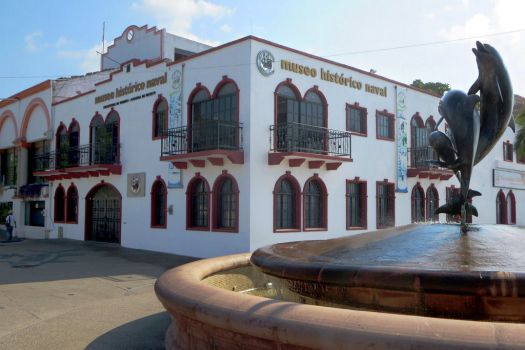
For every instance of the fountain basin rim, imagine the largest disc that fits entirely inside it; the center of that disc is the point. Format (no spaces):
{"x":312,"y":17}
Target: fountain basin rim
{"x":183,"y":293}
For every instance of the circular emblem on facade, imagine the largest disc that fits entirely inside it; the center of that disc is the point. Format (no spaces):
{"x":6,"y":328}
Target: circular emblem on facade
{"x":135,"y":184}
{"x":130,"y":34}
{"x":265,"y":62}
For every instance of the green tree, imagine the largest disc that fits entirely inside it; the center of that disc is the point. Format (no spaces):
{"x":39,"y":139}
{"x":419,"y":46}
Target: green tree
{"x":436,"y":88}
{"x":519,"y":142}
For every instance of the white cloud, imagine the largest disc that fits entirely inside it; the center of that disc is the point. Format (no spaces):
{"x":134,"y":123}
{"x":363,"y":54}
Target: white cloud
{"x":62,"y":42}
{"x":177,"y":16}
{"x":503,"y":16}
{"x":33,"y":42}
{"x":479,"y":24}
{"x":226,"y":28}
{"x":88,"y":59}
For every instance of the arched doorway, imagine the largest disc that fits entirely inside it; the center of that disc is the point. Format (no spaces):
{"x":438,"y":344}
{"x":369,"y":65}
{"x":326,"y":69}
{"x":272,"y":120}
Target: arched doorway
{"x":103,"y":214}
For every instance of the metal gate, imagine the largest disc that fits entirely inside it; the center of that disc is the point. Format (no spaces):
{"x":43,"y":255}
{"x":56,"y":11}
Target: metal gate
{"x":104,"y":216}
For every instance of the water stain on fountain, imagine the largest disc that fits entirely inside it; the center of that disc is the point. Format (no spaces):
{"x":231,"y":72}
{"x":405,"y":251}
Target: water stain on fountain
{"x":425,"y":270}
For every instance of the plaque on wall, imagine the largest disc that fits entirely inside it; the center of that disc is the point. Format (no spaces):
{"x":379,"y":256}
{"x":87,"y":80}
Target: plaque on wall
{"x":136,"y":184}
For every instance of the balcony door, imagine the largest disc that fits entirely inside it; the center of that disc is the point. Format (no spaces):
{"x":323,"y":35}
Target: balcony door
{"x":214,"y":121}
{"x":105,"y":139}
{"x":301,"y":123}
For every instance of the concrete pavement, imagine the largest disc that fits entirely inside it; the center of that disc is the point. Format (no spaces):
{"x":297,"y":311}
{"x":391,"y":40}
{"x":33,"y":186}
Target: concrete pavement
{"x":63,"y":294}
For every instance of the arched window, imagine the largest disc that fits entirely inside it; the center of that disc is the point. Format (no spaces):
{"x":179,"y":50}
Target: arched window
{"x":226,"y":101}
{"x":418,"y":204}
{"x":287,"y":204}
{"x":160,"y":118}
{"x":287,"y":105}
{"x":197,"y":204}
{"x":62,"y":145}
{"x":72,"y":205}
{"x":226,"y":204}
{"x":74,"y":143}
{"x":511,"y":208}
{"x":59,"y":202}
{"x":501,"y":210}
{"x":315,"y":204}
{"x":300,"y":122}
{"x":159,"y":197}
{"x":418,"y":142}
{"x":432,"y":203}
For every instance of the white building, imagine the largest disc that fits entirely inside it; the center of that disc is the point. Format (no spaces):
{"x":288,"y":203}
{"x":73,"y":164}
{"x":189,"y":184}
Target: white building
{"x":264,"y":144}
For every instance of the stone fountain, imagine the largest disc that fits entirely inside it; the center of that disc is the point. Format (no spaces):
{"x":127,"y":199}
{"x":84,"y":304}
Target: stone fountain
{"x":422,"y":286}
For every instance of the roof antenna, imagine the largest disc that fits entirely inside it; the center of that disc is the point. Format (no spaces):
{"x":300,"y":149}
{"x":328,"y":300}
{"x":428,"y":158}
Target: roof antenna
{"x":103,"y":32}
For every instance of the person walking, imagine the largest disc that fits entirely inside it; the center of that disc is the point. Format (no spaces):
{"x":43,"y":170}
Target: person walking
{"x":10,"y":224}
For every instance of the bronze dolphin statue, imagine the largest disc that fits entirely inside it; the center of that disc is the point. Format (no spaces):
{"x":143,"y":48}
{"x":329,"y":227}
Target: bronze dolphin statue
{"x":497,"y":98}
{"x":463,"y":118}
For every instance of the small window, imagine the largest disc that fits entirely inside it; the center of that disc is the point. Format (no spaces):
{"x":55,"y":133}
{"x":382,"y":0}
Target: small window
{"x":385,"y":204}
{"x":356,"y":119}
{"x":60,"y":198}
{"x":315,"y":205}
{"x":432,"y":204}
{"x":508,"y":151}
{"x":418,"y":204}
{"x":511,"y":208}
{"x":385,"y":126}
{"x":160,"y":118}
{"x":72,"y":205}
{"x":501,"y":212}
{"x":198,"y":204}
{"x":226,"y":194}
{"x":159,"y":196}
{"x":356,"y":204}
{"x":286,"y":202}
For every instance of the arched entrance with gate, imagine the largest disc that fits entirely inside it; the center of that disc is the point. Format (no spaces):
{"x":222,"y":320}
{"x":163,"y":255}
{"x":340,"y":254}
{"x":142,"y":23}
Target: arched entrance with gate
{"x":103,"y":214}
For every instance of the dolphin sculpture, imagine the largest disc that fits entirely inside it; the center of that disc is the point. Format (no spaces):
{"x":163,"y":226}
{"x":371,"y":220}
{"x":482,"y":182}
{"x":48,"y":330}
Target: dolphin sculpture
{"x":497,"y":98}
{"x":475,"y":125}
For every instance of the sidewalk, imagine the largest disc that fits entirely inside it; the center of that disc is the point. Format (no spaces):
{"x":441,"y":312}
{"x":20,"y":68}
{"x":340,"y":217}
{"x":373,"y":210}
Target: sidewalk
{"x":63,"y":294}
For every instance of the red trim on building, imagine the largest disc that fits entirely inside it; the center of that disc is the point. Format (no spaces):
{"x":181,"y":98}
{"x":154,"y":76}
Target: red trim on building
{"x":8,"y":115}
{"x":35,"y":89}
{"x":508,"y":151}
{"x":391,"y":126}
{"x":56,"y":205}
{"x":363,"y":110}
{"x":391,"y":209}
{"x":502,"y":218}
{"x":363,"y":202}
{"x":216,"y":203}
{"x":153,"y":208}
{"x":512,"y":199}
{"x":35,"y":103}
{"x":71,"y":188}
{"x":417,"y":187}
{"x":189,"y":212}
{"x":297,"y":197}
{"x":434,"y":190}
{"x":324,"y":204}
{"x":88,"y":214}
{"x":156,"y":104}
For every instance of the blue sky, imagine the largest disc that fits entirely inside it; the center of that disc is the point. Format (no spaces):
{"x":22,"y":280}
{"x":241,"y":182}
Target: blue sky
{"x":52,"y":38}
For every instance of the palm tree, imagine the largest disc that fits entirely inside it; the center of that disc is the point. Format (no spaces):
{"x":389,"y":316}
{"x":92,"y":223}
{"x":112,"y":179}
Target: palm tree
{"x":519,"y":142}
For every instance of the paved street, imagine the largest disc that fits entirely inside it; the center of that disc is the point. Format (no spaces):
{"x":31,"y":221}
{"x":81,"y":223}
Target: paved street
{"x":63,"y":294}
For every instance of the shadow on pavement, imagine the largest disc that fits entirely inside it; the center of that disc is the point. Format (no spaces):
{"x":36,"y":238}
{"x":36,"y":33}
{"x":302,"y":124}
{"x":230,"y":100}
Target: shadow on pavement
{"x":62,"y":259}
{"x":144,"y":333}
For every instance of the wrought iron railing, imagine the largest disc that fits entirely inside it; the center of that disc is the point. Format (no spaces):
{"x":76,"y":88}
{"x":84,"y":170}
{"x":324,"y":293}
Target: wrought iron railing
{"x":422,"y":157}
{"x":203,"y":136}
{"x":296,"y":137}
{"x":85,"y":155}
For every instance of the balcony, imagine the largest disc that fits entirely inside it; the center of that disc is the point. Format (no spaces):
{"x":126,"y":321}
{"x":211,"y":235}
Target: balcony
{"x":212,"y":141}
{"x":79,"y":161}
{"x":419,"y":164}
{"x":300,"y":142}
